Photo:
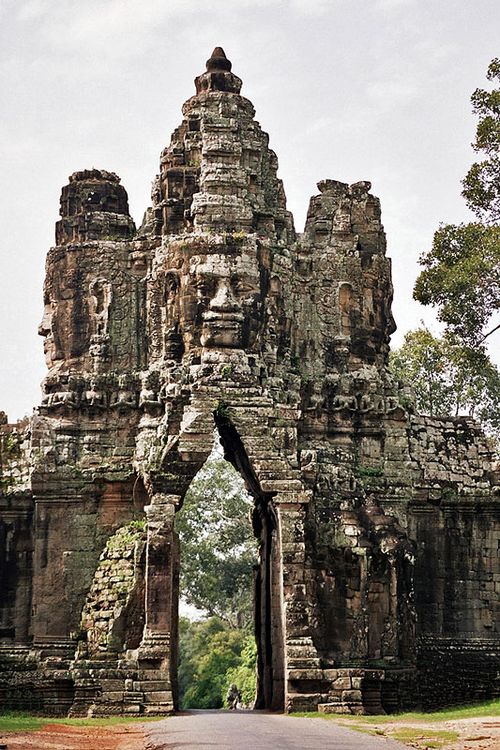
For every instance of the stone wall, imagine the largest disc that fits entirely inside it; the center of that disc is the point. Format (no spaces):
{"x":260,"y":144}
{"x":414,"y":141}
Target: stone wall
{"x":455,"y":521}
{"x":457,"y":670}
{"x":112,"y":617}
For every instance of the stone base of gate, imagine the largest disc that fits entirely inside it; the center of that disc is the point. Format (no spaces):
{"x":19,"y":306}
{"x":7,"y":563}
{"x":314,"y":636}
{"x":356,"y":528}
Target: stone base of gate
{"x":351,"y":690}
{"x":36,"y":678}
{"x":131,"y":686}
{"x":48,"y":678}
{"x":461,"y":669}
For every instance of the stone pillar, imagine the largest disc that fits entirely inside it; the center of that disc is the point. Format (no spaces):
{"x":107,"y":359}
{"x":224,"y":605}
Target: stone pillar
{"x":269,"y":614}
{"x":301,"y":658}
{"x":159,"y":564}
{"x":155,"y":656}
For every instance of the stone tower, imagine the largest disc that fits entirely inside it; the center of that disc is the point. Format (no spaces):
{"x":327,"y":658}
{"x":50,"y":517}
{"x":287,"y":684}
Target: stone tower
{"x":377,"y":526}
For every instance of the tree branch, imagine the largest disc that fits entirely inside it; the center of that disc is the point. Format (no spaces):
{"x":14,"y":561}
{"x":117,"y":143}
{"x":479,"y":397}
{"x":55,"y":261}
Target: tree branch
{"x":489,"y":333}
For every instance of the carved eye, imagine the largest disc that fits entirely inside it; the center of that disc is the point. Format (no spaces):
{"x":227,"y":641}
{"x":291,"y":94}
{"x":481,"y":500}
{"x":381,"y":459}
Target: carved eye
{"x":205,"y":286}
{"x":243,"y":288}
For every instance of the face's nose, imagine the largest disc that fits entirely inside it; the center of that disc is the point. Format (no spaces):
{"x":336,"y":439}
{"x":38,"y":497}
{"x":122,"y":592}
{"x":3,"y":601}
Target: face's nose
{"x":45,"y":327}
{"x":224,"y":300}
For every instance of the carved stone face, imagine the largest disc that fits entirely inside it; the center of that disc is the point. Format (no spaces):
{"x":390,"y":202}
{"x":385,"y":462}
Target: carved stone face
{"x":221,"y":296}
{"x":210,"y":294}
{"x":46,"y":329}
{"x":65,"y":324}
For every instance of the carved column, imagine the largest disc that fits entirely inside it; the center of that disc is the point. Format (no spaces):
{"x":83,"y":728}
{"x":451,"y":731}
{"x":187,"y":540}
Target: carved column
{"x":156,"y":652}
{"x":159,"y":564}
{"x":301,"y":658}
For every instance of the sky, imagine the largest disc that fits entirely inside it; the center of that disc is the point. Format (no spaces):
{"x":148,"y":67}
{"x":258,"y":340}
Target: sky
{"x":350,"y":90}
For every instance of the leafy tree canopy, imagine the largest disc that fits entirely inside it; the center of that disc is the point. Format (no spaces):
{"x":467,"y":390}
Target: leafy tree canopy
{"x":218,"y":549}
{"x":481,"y":186}
{"x":449,"y":378}
{"x":461,"y":275}
{"x":244,"y":675}
{"x":212,"y":655}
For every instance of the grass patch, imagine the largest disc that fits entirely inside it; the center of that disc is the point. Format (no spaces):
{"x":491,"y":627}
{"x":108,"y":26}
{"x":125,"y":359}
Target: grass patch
{"x":16,"y":722}
{"x":104,"y":721}
{"x":473,"y":710}
{"x":434,"y":738}
{"x":22,"y":722}
{"x":367,"y":730}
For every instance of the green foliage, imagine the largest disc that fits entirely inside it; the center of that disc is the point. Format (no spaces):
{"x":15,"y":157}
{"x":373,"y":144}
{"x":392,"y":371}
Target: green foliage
{"x":421,"y":362}
{"x":449,"y":378}
{"x":243,"y":675}
{"x":461,"y":275}
{"x":481,"y":186}
{"x":194,"y":162}
{"x":138,"y":525}
{"x":218,"y":549}
{"x":18,"y":721}
{"x":237,"y":237}
{"x":218,"y":553}
{"x":210,"y":651}
{"x":424,"y":738}
{"x":222,"y":412}
{"x":368,"y":471}
{"x":5,"y":484}
{"x":11,"y":444}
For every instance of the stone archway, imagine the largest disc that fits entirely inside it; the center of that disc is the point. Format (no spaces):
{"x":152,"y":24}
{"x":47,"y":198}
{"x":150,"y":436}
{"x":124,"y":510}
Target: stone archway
{"x":159,"y":648}
{"x":269,"y":604}
{"x":216,"y":308}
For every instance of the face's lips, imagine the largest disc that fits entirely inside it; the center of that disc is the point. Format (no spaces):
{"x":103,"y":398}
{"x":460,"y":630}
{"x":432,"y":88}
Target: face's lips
{"x":232,"y":317}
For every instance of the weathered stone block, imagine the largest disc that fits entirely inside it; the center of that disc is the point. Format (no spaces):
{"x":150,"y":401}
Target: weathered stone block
{"x":164,"y":696}
{"x":332,"y":708}
{"x":342,"y":683}
{"x":351,"y":696}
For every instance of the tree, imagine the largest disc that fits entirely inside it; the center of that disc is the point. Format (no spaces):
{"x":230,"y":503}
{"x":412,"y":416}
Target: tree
{"x":462,"y":278}
{"x":481,"y":186}
{"x":449,"y":378}
{"x":421,"y":361}
{"x":244,"y":675}
{"x":461,"y":275}
{"x":212,"y":655}
{"x":218,"y":549}
{"x":218,"y":553}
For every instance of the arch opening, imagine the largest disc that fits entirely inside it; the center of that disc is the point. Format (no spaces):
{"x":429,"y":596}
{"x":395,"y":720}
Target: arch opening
{"x":259,"y":596}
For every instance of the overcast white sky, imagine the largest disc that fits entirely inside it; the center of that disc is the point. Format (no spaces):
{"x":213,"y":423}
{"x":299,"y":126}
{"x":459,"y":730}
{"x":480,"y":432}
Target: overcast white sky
{"x":347,"y":89}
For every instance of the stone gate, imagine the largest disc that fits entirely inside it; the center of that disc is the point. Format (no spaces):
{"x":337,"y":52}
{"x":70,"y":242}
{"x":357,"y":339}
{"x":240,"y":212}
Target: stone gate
{"x":377,"y":582}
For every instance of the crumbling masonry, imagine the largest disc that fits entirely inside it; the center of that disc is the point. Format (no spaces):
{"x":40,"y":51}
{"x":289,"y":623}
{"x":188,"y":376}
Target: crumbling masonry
{"x":377,"y":583}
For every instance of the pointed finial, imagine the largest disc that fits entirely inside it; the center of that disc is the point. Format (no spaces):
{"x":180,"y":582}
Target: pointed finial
{"x":218,"y":61}
{"x":218,"y":76}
